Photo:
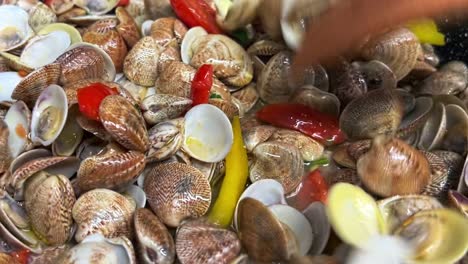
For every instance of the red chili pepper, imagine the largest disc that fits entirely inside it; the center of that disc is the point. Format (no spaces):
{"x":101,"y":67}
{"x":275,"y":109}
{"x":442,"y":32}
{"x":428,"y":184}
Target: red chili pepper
{"x":319,"y":126}
{"x":314,"y":188}
{"x":21,"y":256}
{"x":91,"y":96}
{"x":196,"y":13}
{"x":201,"y":85}
{"x":123,"y":2}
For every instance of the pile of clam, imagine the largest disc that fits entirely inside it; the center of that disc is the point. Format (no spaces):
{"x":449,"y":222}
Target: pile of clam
{"x":136,"y":185}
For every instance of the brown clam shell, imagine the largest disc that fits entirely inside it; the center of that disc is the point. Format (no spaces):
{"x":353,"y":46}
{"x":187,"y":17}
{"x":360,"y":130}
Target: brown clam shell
{"x":61,"y":6}
{"x":166,"y":139}
{"x":110,"y":171}
{"x":127,"y":27}
{"x":308,"y":147}
{"x":265,"y":47}
{"x":49,"y":200}
{"x":112,"y":43}
{"x":124,"y":123}
{"x":168,"y":31}
{"x":161,"y":107}
{"x":256,"y":135}
{"x":29,"y":89}
{"x":317,"y":99}
{"x":344,"y":175}
{"x":74,"y":12}
{"x":198,"y":241}
{"x":3,"y":65}
{"x":155,"y":243}
{"x":7,"y":259}
{"x":279,"y":161}
{"x":247,"y":97}
{"x":177,"y":191}
{"x":141,"y":63}
{"x":94,"y":127}
{"x":41,"y":15}
{"x":439,"y":185}
{"x":399,"y":49}
{"x":5,"y":155}
{"x":392,"y":167}
{"x":103,"y":26}
{"x":229,"y":108}
{"x":72,"y":88}
{"x":169,"y":53}
{"x":158,"y":8}
{"x":347,"y":82}
{"x":103,"y":211}
{"x":377,"y":112}
{"x":264,"y":237}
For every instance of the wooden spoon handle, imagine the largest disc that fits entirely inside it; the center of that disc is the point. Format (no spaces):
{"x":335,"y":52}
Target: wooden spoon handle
{"x":344,"y":26}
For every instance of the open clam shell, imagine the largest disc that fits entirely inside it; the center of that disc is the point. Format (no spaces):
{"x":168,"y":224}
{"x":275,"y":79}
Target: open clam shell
{"x":456,"y":138}
{"x":9,"y":81}
{"x":18,"y":120}
{"x":75,"y":36}
{"x":347,"y":82}
{"x":49,"y":115}
{"x":41,"y":15}
{"x":208,"y":134}
{"x":177,"y":191}
{"x":418,"y":116}
{"x":14,"y":63}
{"x":186,"y":45}
{"x":317,"y":99}
{"x":377,"y":75}
{"x":435,"y":128}
{"x":44,"y":49}
{"x":317,"y":216}
{"x":102,"y":211}
{"x":14,"y":27}
{"x":459,"y":201}
{"x":165,"y":140}
{"x":71,"y":135}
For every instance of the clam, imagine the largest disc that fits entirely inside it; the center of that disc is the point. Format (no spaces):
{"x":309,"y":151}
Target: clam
{"x":228,"y":107}
{"x":435,"y":235}
{"x":105,"y":212}
{"x":445,"y":81}
{"x":124,"y":123}
{"x":177,"y":191}
{"x":408,"y":99}
{"x":236,"y":14}
{"x":127,"y":26}
{"x":391,"y":167}
{"x":92,"y":126}
{"x":247,"y":97}
{"x":262,"y":234}
{"x":309,"y":148}
{"x":49,"y":115}
{"x":75,"y":36}
{"x":165,"y":140}
{"x":155,"y":243}
{"x":265,"y":47}
{"x":256,"y":135}
{"x":29,"y":89}
{"x":10,"y":81}
{"x":61,"y":6}
{"x":345,"y":175}
{"x":5,"y":156}
{"x":110,"y":42}
{"x":440,"y":182}
{"x":14,"y":27}
{"x":158,"y":8}
{"x":100,"y":250}
{"x":168,"y":31}
{"x":231,"y":62}
{"x":279,"y":161}
{"x":377,"y":75}
{"x":377,"y":112}
{"x":85,"y":61}
{"x":397,"y":209}
{"x":347,"y":82}
{"x":18,"y":120}
{"x":70,"y":13}
{"x":161,"y":107}
{"x":141,"y":63}
{"x":186,"y":46}
{"x":208,"y":134}
{"x":399,"y":49}
{"x":456,"y":138}
{"x":44,"y":49}
{"x":41,"y":15}
{"x":71,"y":135}
{"x":317,"y":99}
{"x":3,"y":65}
{"x":317,"y":216}
{"x":49,"y":200}
{"x":28,"y":156}
{"x":267,"y":191}
{"x":435,"y":128}
{"x":137,"y":194}
{"x":96,"y":7}
{"x":459,"y":201}
{"x":198,"y":241}
{"x":111,"y":169}
{"x":418,"y":116}
{"x":14,"y":63}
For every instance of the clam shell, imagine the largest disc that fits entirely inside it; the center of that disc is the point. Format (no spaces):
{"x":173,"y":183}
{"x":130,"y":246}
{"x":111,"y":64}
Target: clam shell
{"x":75,"y":36}
{"x":127,"y":26}
{"x":418,"y":116}
{"x":459,"y":201}
{"x":14,"y":63}
{"x":347,"y":82}
{"x":29,"y":89}
{"x":71,"y":13}
{"x":198,"y":241}
{"x":18,"y":120}
{"x":444,"y":81}
{"x":168,"y":31}
{"x":231,"y":62}
{"x":317,"y":216}
{"x":61,"y":6}
{"x":14,"y":28}
{"x":309,"y":148}
{"x":435,"y":128}
{"x":49,"y":115}
{"x":85,"y":61}
{"x":228,"y":107}
{"x":158,"y":8}
{"x":110,"y":171}
{"x":186,"y":45}
{"x":247,"y":98}
{"x":96,"y":7}
{"x":456,"y":138}
{"x":279,"y":161}
{"x":265,"y":47}
{"x":177,"y":191}
{"x":6,"y":258}
{"x":9,"y":80}
{"x":161,"y":107}
{"x":94,"y":127}
{"x":5,"y":155}
{"x":377,"y":112}
{"x":377,"y":75}
{"x":49,"y":200}
{"x":110,"y":42}
{"x":141,"y":63}
{"x":28,"y":156}
{"x":105,"y":212}
{"x":317,"y":99}
{"x":155,"y":243}
{"x":345,"y":175}
{"x":391,"y":167}
{"x":71,"y":135}
{"x":256,"y":135}
{"x":399,"y":49}
{"x":41,"y":15}
{"x":124,"y":123}
{"x":264,"y":237}
{"x":165,"y":140}
{"x":3,"y":65}
{"x":38,"y":51}
{"x":439,"y":185}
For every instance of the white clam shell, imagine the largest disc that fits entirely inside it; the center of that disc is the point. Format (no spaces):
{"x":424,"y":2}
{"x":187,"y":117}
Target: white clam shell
{"x":53,"y":96}
{"x":186,"y":47}
{"x":297,"y":222}
{"x":208,"y":134}
{"x":267,"y":191}
{"x":74,"y":34}
{"x":137,"y":194}
{"x":321,"y":229}
{"x":44,"y":49}
{"x":96,"y":7}
{"x":14,"y":27}
{"x":146,"y":28}
{"x":18,"y":122}
{"x":8,"y":83}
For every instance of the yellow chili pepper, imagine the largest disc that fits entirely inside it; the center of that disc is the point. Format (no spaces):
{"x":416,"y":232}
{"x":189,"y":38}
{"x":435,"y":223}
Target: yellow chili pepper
{"x":234,"y":181}
{"x":427,"y":32}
